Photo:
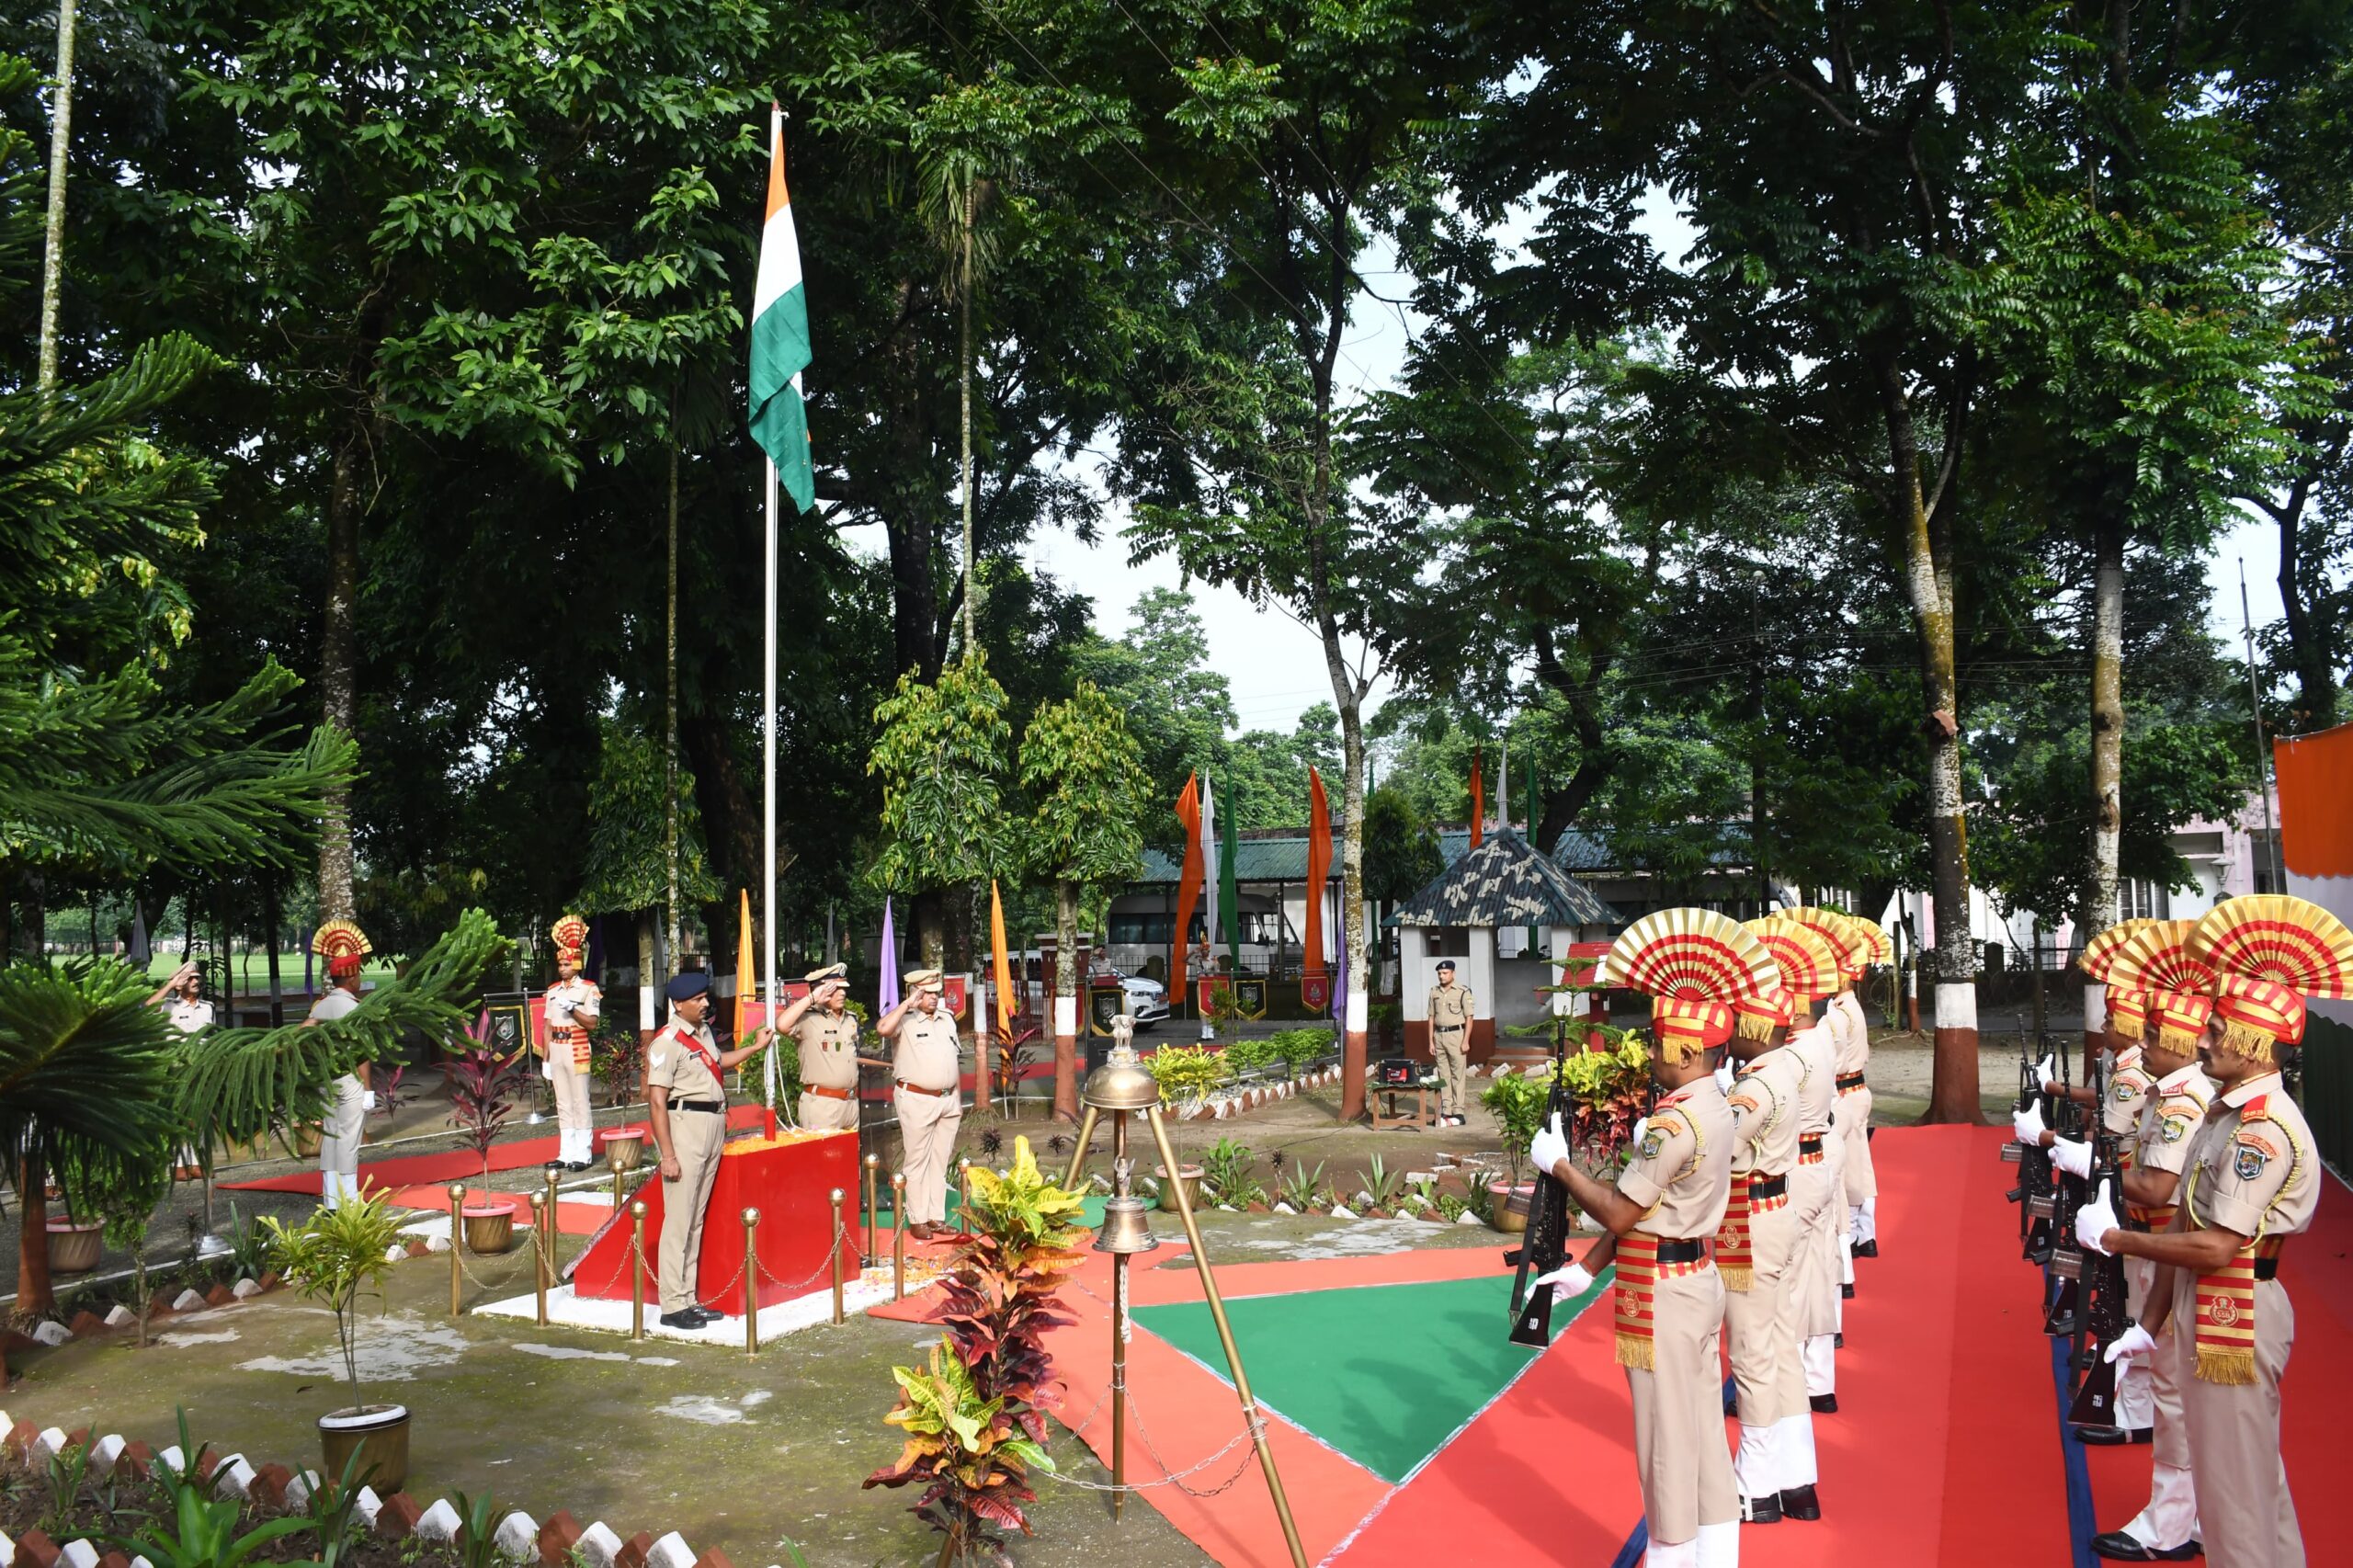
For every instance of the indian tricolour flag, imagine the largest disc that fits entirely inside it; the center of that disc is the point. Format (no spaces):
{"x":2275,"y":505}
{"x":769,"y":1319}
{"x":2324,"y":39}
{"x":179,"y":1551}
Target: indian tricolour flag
{"x":780,"y":338}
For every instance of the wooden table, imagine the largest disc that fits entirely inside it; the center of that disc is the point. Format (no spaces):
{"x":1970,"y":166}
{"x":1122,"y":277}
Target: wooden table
{"x":1387,"y":1094}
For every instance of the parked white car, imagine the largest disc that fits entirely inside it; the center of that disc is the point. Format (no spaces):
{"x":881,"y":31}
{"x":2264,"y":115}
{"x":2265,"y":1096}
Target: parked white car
{"x":1147,"y":999}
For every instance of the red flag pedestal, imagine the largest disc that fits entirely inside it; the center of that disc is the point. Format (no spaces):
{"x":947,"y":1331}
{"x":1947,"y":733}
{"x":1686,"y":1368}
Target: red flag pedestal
{"x":786,"y":1179}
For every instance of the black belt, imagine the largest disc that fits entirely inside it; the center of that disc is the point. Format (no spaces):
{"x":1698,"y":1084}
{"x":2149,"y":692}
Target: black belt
{"x":1767,"y":1187}
{"x":1810,"y":1142}
{"x":1446,"y":1029}
{"x":698,"y":1105}
{"x":1850,"y":1080}
{"x":2267,"y":1269}
{"x":1688,"y":1249}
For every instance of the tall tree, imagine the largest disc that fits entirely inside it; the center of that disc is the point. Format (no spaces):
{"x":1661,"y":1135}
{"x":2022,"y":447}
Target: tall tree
{"x":942,"y":753}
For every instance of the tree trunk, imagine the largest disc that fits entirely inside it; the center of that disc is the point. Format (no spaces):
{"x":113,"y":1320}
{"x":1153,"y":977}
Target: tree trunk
{"x":931,"y":926}
{"x":2107,"y":758}
{"x":53,"y":261}
{"x":1361,"y":975}
{"x":1066,"y":1001}
{"x":907,"y":519}
{"x":649,"y":983}
{"x":2308,"y":645}
{"x":34,"y":1295}
{"x":338,"y":671}
{"x":269,"y":916}
{"x":1927,"y":580}
{"x":964,"y":380}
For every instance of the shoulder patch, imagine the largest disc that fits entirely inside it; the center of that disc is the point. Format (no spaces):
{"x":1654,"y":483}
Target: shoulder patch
{"x":1652,"y":1141}
{"x":2124,"y":1093}
{"x":656,"y":1059}
{"x":2256,"y":1141}
{"x":2247,"y":1161}
{"x":2174,"y":1130}
{"x":1744,"y":1102}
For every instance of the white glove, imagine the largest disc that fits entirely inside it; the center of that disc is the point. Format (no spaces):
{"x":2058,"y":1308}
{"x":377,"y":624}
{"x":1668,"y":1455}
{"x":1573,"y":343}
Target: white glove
{"x":368,"y":1099}
{"x":1548,"y":1148}
{"x":2042,"y":1071}
{"x":1723,"y":1076}
{"x":1642,"y":1125}
{"x":2096,"y":1219}
{"x":2133,"y":1341}
{"x":2073,"y":1158}
{"x":2027,"y":1123}
{"x":1569,"y":1279}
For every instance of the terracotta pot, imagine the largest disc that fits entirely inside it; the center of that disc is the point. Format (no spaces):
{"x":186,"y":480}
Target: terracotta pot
{"x":628,"y":1142}
{"x":378,"y":1435}
{"x":1511,"y":1205}
{"x":1190,"y":1175}
{"x":304,"y":1141}
{"x":73,"y":1248}
{"x":489,"y":1226}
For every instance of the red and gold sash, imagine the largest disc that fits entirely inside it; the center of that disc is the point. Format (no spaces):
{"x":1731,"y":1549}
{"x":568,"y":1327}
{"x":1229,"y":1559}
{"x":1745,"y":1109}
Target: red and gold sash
{"x":2226,"y":1331}
{"x":2157,"y":1219}
{"x":570,"y":1038}
{"x":1735,"y":1251}
{"x":1638,"y":1272}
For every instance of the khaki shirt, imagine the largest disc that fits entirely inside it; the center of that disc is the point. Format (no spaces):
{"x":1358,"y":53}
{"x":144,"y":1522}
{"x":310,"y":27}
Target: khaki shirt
{"x":1450,"y":1007}
{"x":926,"y":1055}
{"x":573,"y":1004}
{"x":1764,"y":1102}
{"x":2119,"y":1113}
{"x":1681,"y":1170}
{"x":673,"y":1064}
{"x":1818,"y":1083}
{"x":191,"y":1017}
{"x":1849,"y":1034}
{"x":2171,"y":1114}
{"x":2252,"y":1166}
{"x":828,"y":1043}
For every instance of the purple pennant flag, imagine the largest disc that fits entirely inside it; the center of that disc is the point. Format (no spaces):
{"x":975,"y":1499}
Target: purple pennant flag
{"x":889,"y":997}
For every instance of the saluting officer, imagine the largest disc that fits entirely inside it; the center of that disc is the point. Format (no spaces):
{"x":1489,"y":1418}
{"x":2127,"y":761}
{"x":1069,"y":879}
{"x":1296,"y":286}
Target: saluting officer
{"x":827,"y":1032}
{"x":926,"y":1069}
{"x":686,"y":1105}
{"x":1449,"y":1011}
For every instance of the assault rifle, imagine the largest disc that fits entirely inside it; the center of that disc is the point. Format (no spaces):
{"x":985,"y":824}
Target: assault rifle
{"x":2065,"y":1317}
{"x":2016,"y":1153}
{"x":2035,"y":1174}
{"x":2104,"y":1313}
{"x":1544,"y":1246}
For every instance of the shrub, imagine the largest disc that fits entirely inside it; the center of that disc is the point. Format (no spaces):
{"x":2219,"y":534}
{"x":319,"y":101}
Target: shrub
{"x":1186,"y":1072}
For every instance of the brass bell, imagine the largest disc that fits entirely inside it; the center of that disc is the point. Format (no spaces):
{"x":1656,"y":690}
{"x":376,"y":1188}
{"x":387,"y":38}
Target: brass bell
{"x":1122,"y":1083}
{"x":1127,"y":1227}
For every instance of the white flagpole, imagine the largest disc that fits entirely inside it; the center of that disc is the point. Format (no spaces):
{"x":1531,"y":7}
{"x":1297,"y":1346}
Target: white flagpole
{"x":767,"y":787}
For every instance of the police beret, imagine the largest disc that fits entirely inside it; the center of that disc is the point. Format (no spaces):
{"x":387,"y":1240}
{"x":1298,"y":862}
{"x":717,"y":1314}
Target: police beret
{"x":831,"y":972}
{"x":694,"y":982}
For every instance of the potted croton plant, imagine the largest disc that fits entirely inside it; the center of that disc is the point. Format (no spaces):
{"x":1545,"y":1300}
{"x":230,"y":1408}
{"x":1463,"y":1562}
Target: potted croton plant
{"x":482,"y":1098}
{"x":330,"y":1258}
{"x":1517,"y":1100}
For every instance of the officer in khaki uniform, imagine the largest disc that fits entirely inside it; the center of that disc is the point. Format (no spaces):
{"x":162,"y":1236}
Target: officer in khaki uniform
{"x":2252,"y":1181}
{"x":823,"y":1027}
{"x":1817,"y":1192}
{"x":1450,"y":1012}
{"x":686,"y":1105}
{"x":925,"y":1066}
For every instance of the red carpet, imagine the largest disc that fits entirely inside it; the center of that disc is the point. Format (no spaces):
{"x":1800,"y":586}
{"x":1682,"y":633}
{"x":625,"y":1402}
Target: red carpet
{"x":420,"y":1170}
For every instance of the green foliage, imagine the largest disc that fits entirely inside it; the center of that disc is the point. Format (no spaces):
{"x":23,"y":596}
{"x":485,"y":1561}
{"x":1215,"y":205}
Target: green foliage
{"x":1302,"y":1186}
{"x":625,"y":869}
{"x":477,"y":1540}
{"x":66,"y":1468}
{"x":1301,"y":1046}
{"x":1022,"y":1209}
{"x":1382,"y":1183}
{"x":1401,"y":849}
{"x":197,"y":1531}
{"x":1186,"y":1073}
{"x":333,"y":1256}
{"x":331,"y":1505}
{"x":1518,"y":1099}
{"x":1080,"y":765}
{"x":85,"y":1072}
{"x":1228,"y":1170}
{"x":940,"y":751}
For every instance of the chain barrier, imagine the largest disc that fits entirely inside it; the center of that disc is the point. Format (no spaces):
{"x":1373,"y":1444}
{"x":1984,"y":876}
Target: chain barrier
{"x":824,"y":1271}
{"x":1169,"y":1477}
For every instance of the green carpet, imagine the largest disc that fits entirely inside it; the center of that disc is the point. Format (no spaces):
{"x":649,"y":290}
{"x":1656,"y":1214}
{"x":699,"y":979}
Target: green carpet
{"x":1383,"y":1373}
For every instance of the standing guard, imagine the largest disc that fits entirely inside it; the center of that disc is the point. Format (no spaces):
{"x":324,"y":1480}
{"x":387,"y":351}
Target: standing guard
{"x":346,"y":948}
{"x":1449,"y":1011}
{"x":572,"y":1005}
{"x":1817,"y":1186}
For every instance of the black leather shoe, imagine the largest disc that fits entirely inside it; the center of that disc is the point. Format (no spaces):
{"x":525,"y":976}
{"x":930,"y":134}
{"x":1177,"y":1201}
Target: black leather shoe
{"x":1846,"y":1292}
{"x":682,"y":1319}
{"x":2101,"y":1437}
{"x":2118,"y":1547}
{"x":1799,"y":1503}
{"x":2144,"y":1433}
{"x":1765,"y":1510}
{"x":1838,"y":1342}
{"x":1822,"y":1403}
{"x":1866,"y":1249}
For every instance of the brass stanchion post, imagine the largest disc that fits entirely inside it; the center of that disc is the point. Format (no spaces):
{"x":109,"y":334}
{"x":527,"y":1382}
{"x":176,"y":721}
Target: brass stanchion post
{"x":637,"y":1270}
{"x":841,"y":1234}
{"x":964,"y":1196}
{"x":539,"y":1255}
{"x":456,"y":1241}
{"x":613,"y":1164}
{"x":873,"y":1176}
{"x":898,"y":1235}
{"x":751,"y":1282}
{"x":549,"y":1258}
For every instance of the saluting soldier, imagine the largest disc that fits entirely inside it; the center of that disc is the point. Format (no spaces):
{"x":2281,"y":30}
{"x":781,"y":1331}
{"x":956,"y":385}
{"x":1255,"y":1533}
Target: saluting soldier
{"x":346,"y":949}
{"x":926,"y":1075}
{"x":827,"y":1032}
{"x":686,"y":1106}
{"x":2252,"y":1181}
{"x":572,"y":1005}
{"x":1450,"y":1012}
{"x":1666,"y":1207}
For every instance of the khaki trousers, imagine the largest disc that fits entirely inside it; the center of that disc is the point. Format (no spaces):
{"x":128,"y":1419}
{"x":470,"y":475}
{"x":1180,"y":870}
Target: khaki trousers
{"x":575,"y":1122}
{"x":1855,"y":1129}
{"x":2247,"y":1519}
{"x":927,"y":1125}
{"x":1760,"y":1332}
{"x":1818,"y":1197}
{"x":1447,"y":1049}
{"x":697,"y":1137}
{"x":1679,"y":1452}
{"x":821,"y":1114}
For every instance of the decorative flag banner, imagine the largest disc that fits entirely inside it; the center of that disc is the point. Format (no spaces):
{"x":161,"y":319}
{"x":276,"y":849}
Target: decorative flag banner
{"x":1189,"y":887}
{"x":1000,"y":964}
{"x":1478,"y":797}
{"x":1229,"y":893}
{"x":1315,"y":983}
{"x":743,"y":976}
{"x":780,"y":338}
{"x":1208,"y":871}
{"x":2315,"y":808}
{"x":888,"y":995}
